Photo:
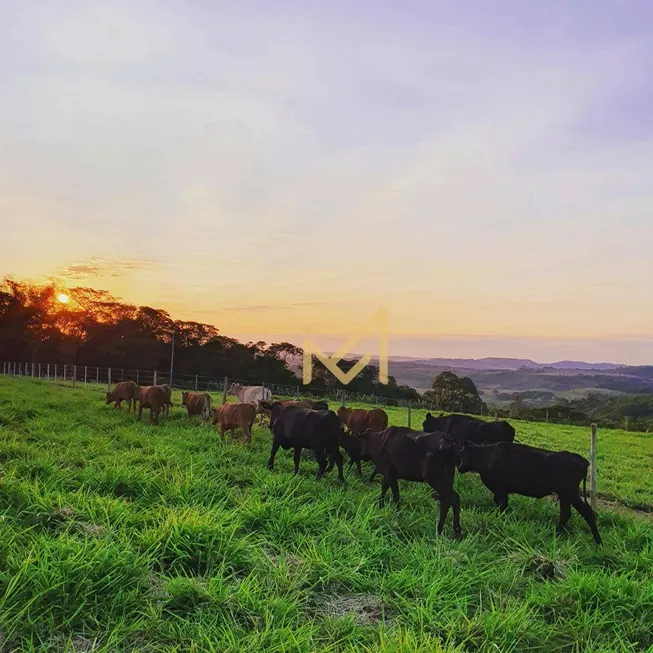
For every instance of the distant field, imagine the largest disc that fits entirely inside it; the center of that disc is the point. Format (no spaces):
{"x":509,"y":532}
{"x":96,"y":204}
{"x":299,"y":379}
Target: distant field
{"x":120,"y":536}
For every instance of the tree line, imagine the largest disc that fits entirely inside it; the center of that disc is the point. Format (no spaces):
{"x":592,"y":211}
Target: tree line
{"x":97,"y":329}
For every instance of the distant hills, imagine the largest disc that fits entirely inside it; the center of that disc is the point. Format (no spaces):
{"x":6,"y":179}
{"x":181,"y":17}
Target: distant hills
{"x":501,"y":379}
{"x":504,"y":364}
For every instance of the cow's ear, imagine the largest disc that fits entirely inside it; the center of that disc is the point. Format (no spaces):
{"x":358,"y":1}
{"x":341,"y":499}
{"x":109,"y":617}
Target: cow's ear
{"x":428,"y":415}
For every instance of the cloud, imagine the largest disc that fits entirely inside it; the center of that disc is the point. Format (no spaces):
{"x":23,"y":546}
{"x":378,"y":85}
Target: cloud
{"x":102,"y":268}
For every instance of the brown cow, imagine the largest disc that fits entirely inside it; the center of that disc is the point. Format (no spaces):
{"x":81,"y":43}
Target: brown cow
{"x":125,"y":391}
{"x":168,"y":390}
{"x":231,"y":416}
{"x":358,"y":420}
{"x":300,"y":403}
{"x":197,"y":404}
{"x":153,"y":397}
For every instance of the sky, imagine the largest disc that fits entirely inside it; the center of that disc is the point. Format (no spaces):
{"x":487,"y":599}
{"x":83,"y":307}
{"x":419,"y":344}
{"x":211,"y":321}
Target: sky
{"x":483,"y":171}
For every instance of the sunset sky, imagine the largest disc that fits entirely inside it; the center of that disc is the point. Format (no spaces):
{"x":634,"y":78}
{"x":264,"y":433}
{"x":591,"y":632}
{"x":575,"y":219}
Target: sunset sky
{"x":482,"y":170}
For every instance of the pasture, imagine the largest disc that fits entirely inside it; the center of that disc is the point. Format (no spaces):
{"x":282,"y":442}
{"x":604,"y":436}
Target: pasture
{"x":120,"y":536}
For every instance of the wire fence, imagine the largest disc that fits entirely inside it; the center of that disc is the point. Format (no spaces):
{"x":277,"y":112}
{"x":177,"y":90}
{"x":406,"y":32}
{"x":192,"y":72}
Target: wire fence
{"x":88,"y":375}
{"x":106,"y":377}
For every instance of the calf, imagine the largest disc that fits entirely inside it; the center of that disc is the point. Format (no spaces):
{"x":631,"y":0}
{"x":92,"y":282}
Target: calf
{"x":470,"y":429}
{"x":250,"y":394}
{"x":358,"y":448}
{"x":401,"y":453}
{"x":126,"y":391}
{"x":300,"y":428}
{"x":264,"y":406}
{"x":233,"y":416}
{"x":358,"y":420}
{"x":168,"y":392}
{"x":154,"y":398}
{"x":197,"y":404}
{"x":509,"y":468}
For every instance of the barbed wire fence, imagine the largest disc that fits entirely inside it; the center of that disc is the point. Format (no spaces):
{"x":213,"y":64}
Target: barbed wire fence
{"x":106,"y":377}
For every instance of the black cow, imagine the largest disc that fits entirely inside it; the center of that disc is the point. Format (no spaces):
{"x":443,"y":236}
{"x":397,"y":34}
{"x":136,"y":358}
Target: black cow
{"x":357,"y":450}
{"x":300,"y":428}
{"x":509,"y":468}
{"x":401,"y":453}
{"x":469,"y":429}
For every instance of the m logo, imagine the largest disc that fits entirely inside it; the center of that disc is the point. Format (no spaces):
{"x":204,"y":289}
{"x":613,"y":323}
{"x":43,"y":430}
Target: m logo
{"x":378,"y":321}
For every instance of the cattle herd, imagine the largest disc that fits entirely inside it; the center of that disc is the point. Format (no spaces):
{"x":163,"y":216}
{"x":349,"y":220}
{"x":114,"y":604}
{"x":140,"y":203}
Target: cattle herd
{"x":445,"y":444}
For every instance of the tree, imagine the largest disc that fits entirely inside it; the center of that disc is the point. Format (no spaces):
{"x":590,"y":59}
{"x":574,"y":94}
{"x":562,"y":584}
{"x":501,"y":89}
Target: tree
{"x":453,"y":393}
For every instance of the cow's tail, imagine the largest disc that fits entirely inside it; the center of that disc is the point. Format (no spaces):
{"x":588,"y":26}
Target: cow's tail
{"x":585,"y":484}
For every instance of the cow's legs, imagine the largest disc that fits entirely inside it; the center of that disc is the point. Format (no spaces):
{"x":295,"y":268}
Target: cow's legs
{"x":587,"y":514}
{"x":248,"y":434}
{"x":385,"y":484}
{"x":565,"y":514}
{"x":297,"y":457}
{"x":273,"y":453}
{"x":374,"y":473}
{"x":446,"y":500}
{"x":222,"y":432}
{"x":455,"y":504}
{"x":116,"y":405}
{"x":140,"y":410}
{"x":394,"y":486}
{"x":337,"y":456}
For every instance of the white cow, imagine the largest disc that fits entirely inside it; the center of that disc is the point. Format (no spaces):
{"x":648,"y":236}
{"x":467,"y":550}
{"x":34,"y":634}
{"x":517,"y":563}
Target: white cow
{"x":250,"y":394}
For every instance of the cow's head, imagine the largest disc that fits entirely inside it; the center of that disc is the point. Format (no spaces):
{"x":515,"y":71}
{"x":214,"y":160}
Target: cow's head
{"x":365,"y":439}
{"x":466,"y":457}
{"x":216,"y":415}
{"x":273,"y":408}
{"x":320,"y":405}
{"x":184,"y":398}
{"x":109,"y":398}
{"x":344,"y":413}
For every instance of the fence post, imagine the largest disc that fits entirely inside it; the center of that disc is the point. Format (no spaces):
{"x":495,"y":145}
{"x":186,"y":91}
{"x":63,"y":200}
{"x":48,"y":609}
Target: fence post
{"x":626,"y":423}
{"x":85,"y":375}
{"x":138,"y":379}
{"x":48,"y":371}
{"x":64,"y":373}
{"x":409,"y":414}
{"x":55,"y":372}
{"x":74,"y":375}
{"x":97,"y":377}
{"x":196,"y":383}
{"x":20,"y":369}
{"x":225,"y":388}
{"x":547,"y":415}
{"x":297,"y":392}
{"x":109,"y":380}
{"x":39,"y":370}
{"x":154,"y":378}
{"x":122,"y":374}
{"x":593,"y":468}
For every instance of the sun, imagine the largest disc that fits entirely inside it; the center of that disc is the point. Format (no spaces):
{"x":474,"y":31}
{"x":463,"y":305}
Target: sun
{"x":63,"y":298}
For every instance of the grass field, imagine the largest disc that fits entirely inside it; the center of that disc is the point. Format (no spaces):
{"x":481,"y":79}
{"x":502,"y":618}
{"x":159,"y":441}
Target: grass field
{"x":120,"y":536}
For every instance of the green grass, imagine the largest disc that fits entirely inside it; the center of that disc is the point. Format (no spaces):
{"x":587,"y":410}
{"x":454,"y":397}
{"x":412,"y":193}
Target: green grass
{"x":118,"y":536}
